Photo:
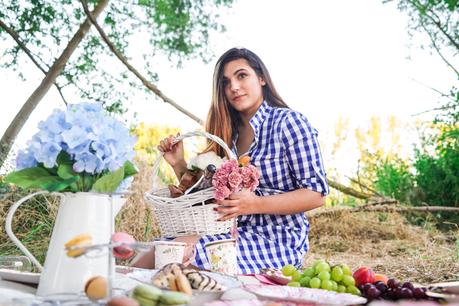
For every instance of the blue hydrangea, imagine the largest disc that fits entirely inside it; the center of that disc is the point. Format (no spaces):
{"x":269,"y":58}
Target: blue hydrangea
{"x":95,"y":141}
{"x":25,"y":159}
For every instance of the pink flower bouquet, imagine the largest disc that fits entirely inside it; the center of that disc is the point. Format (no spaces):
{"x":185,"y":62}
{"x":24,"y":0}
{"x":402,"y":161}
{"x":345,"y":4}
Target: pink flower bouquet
{"x":233,"y":177}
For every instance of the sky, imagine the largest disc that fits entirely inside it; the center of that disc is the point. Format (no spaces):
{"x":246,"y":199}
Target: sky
{"x":328,"y":59}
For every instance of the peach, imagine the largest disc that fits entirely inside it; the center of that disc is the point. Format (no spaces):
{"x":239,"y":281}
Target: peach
{"x":381,"y":277}
{"x":363,"y":275}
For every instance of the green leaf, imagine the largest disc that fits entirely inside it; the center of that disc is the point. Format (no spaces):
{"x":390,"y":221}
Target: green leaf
{"x":63,"y":158}
{"x":30,"y":178}
{"x":60,"y":185}
{"x":109,"y":182}
{"x":129,"y":169}
{"x":65,"y":171}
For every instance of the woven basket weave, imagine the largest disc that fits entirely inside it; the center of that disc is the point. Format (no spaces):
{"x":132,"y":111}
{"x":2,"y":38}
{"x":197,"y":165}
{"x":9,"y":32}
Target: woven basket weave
{"x":188,"y":214}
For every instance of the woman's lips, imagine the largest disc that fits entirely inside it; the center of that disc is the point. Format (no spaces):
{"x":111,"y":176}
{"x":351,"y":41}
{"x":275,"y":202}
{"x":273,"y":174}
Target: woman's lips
{"x":237,"y":98}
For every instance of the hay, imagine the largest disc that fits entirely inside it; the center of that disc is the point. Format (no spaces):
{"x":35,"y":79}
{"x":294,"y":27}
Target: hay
{"x":32,"y":223}
{"x":387,"y":243}
{"x":136,"y":218}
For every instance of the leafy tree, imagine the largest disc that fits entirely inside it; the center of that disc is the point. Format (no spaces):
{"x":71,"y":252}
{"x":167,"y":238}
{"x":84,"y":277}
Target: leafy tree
{"x":44,"y":31}
{"x":439,"y":20}
{"x":437,"y":167}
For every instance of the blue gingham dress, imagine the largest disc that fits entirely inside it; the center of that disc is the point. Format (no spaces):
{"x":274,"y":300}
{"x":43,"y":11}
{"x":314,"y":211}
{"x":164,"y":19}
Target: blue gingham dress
{"x":286,"y":151}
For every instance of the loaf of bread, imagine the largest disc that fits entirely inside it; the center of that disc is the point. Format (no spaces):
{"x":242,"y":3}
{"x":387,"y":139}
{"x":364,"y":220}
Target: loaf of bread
{"x":176,"y":277}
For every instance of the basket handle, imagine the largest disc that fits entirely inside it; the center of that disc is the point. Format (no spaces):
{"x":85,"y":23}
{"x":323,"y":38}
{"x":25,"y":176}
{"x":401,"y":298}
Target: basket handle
{"x":187,"y":135}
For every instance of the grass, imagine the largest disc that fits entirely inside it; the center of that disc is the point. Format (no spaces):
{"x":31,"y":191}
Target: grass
{"x":386,"y":242}
{"x":389,"y":244}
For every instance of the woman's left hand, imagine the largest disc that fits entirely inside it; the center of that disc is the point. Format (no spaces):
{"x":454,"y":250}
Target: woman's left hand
{"x":239,"y":203}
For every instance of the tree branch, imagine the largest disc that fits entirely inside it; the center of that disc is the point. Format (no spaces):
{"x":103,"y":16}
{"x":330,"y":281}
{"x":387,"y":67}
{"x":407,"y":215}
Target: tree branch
{"x":364,"y":186}
{"x":434,"y":45}
{"x":439,"y":26}
{"x":144,"y":81}
{"x":24,"y":48}
{"x":348,"y":190}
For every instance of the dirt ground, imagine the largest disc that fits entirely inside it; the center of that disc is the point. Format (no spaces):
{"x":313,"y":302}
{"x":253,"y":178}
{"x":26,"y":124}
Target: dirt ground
{"x":388,"y":244}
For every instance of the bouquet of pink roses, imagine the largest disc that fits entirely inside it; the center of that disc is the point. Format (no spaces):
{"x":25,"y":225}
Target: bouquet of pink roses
{"x":233,"y":176}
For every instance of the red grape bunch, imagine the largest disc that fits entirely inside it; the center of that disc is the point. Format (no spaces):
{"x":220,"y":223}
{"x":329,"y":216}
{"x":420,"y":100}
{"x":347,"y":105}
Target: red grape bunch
{"x":393,"y":290}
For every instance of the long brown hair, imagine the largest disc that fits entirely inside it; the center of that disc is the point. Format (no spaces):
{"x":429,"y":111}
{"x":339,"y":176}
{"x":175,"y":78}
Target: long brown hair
{"x":223,"y":119}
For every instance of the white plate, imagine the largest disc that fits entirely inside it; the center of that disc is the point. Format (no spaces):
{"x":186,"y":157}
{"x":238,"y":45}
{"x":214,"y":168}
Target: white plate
{"x":304,"y":295}
{"x":18,"y":276}
{"x":145,"y":275}
{"x":450,"y":287}
{"x":199,"y":297}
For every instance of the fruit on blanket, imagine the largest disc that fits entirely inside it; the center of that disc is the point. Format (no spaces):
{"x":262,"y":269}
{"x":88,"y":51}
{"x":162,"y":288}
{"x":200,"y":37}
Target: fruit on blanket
{"x":296,"y":276}
{"x":394,"y":290}
{"x":81,"y":241}
{"x":363,"y":275}
{"x":321,"y":275}
{"x":123,"y":251}
{"x":337,"y":273}
{"x":288,"y":270}
{"x":96,"y":288}
{"x":381,"y":277}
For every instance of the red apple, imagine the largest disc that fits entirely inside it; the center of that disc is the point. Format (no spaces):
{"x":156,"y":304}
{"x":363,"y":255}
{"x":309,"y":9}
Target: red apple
{"x":363,"y":275}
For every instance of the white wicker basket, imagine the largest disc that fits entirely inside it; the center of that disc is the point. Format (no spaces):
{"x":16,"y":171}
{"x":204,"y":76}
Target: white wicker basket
{"x":187,"y":214}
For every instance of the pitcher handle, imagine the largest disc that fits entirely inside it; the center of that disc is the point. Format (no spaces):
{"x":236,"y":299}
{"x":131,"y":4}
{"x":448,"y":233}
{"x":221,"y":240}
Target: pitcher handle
{"x":9,"y":231}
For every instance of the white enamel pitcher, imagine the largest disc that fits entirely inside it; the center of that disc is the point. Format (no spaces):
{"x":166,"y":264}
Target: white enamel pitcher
{"x":79,"y":213}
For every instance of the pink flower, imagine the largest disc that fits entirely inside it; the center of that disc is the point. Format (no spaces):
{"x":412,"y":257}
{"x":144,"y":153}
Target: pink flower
{"x":222,"y":193}
{"x":234,"y":179}
{"x":231,"y":177}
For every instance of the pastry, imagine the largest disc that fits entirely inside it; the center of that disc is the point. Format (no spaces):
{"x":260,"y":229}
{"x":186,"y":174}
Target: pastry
{"x":202,"y":282}
{"x":96,"y":288}
{"x":123,"y":251}
{"x":162,"y":277}
{"x":83,"y":240}
{"x":183,"y":284}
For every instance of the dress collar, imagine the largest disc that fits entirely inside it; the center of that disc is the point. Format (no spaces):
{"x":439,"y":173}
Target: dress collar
{"x":257,"y":120}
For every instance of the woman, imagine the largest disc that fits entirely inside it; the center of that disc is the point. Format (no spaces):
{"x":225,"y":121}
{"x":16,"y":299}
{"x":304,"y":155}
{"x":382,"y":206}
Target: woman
{"x":251,"y":117}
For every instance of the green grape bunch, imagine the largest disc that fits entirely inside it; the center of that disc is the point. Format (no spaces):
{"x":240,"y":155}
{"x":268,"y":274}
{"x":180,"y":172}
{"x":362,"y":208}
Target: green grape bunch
{"x":322,"y":275}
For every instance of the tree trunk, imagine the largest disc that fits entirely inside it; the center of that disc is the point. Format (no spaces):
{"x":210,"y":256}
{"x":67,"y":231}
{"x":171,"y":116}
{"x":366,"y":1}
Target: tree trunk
{"x":18,"y":122}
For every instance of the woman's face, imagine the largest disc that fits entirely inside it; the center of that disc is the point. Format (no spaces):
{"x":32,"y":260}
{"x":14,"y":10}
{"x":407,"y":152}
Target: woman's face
{"x":243,"y":88}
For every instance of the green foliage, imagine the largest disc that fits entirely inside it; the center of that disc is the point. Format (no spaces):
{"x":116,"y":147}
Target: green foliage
{"x":394,"y":179}
{"x":431,"y":178}
{"x":63,"y":178}
{"x":449,"y":113}
{"x":437,"y":175}
{"x":178,"y":30}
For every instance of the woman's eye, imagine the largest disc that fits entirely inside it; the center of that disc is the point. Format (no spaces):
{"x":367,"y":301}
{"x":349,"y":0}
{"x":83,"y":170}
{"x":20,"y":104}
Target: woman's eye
{"x":242,"y":75}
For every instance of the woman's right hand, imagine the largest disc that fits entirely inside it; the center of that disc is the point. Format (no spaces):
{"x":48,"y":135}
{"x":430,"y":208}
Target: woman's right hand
{"x":173,"y":153}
